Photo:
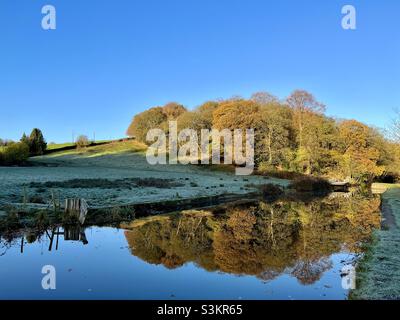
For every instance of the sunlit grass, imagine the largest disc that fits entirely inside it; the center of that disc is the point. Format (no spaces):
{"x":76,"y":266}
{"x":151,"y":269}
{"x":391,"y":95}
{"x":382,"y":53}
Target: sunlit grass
{"x":378,"y":275}
{"x":55,"y":146}
{"x":112,"y":148}
{"x":100,"y":150}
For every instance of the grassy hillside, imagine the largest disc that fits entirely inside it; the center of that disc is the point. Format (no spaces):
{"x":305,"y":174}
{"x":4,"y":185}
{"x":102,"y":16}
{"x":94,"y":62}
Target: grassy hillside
{"x":55,"y":146}
{"x":113,"y":147}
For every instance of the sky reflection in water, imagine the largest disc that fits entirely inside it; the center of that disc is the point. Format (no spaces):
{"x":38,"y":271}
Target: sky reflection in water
{"x":285,"y":250}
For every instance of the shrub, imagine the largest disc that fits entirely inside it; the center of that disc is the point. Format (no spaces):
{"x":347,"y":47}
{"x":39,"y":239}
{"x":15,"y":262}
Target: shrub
{"x":82,"y":142}
{"x":311,"y":184}
{"x":15,"y":153}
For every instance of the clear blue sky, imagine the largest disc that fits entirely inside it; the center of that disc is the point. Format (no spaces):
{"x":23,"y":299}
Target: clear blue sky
{"x":110,"y":59}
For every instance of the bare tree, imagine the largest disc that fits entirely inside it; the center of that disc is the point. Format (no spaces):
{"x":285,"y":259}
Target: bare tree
{"x":303,"y":102}
{"x":263,"y":97}
{"x":394,"y":128}
{"x":82,"y":142}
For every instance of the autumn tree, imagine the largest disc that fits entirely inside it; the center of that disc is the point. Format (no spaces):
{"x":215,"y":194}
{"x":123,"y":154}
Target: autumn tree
{"x":236,"y":114}
{"x":274,"y":135}
{"x":198,"y":119}
{"x":263,"y":98}
{"x":173,"y":110}
{"x":206,"y":111}
{"x":191,"y":120}
{"x":317,"y":153}
{"x":361,"y":155}
{"x":303,"y":103}
{"x":392,"y":168}
{"x":294,"y":135}
{"x":143,"y":122}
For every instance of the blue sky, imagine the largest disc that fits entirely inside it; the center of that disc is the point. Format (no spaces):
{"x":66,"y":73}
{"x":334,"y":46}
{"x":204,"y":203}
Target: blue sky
{"x":110,"y":59}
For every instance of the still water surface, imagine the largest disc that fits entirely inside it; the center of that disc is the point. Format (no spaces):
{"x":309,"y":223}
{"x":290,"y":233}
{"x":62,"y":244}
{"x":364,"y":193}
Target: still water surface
{"x":285,"y":250}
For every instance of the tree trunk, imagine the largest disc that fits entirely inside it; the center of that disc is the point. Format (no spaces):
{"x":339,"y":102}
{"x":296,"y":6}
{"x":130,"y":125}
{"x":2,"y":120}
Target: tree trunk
{"x":270,"y":147}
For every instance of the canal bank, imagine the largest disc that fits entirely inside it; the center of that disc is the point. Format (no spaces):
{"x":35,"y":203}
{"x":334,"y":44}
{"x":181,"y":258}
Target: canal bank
{"x":378,"y":273}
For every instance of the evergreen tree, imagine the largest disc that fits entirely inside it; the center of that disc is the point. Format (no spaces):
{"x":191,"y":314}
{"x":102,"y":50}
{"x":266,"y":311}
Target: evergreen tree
{"x":37,"y":144}
{"x":25,"y":139}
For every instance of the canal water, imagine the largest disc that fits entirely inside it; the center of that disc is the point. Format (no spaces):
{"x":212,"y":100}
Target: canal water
{"x":288,"y":249}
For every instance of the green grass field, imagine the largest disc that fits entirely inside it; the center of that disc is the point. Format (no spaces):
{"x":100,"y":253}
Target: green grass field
{"x":107,"y":147}
{"x":59,"y":145}
{"x":114,"y":147}
{"x":55,"y":146}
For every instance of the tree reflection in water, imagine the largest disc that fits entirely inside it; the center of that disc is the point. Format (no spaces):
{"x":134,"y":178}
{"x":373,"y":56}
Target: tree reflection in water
{"x":262,"y":239}
{"x":51,"y":236}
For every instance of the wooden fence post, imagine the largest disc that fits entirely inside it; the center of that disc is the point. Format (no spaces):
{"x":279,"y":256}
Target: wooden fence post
{"x":78,"y":207}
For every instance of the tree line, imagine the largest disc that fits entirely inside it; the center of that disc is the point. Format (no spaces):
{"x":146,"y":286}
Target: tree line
{"x":16,"y":153}
{"x":293,"y":135}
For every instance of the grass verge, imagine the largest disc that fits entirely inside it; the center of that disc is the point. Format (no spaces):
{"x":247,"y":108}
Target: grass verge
{"x":378,"y":273}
